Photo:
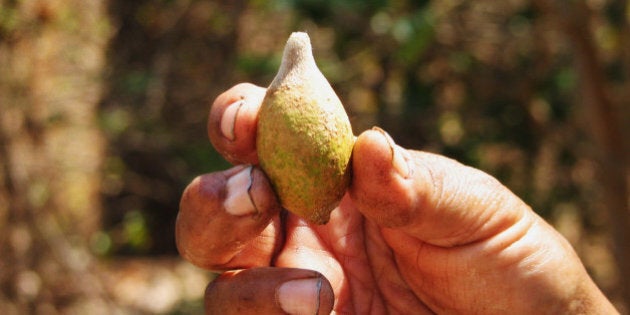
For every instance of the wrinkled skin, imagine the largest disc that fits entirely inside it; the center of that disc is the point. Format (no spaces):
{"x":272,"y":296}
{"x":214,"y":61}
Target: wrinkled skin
{"x":417,"y":233}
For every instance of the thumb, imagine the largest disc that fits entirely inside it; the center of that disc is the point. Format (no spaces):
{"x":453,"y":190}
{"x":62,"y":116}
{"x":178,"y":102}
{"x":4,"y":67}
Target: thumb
{"x":428,"y":196}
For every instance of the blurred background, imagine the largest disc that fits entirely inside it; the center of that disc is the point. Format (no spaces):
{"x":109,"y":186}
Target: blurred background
{"x":103,"y":106}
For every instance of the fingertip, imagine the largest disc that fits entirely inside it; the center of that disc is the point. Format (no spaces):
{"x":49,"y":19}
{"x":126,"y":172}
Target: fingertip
{"x":221,"y":213}
{"x":380,"y":185}
{"x":326,"y":297}
{"x":232,"y":122}
{"x":371,"y":150}
{"x":306,"y":296}
{"x":269,"y":291}
{"x":262,"y":194}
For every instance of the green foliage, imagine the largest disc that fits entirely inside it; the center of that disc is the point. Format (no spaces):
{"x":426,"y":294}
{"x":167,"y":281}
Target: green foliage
{"x":135,"y":230}
{"x":257,"y":65}
{"x":201,"y":159}
{"x":328,"y":10}
{"x":8,"y":20}
{"x":415,"y":34}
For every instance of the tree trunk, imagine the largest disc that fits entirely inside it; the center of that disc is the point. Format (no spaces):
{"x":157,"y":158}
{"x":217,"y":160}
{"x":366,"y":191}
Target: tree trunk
{"x":51,"y":62}
{"x":605,"y":120}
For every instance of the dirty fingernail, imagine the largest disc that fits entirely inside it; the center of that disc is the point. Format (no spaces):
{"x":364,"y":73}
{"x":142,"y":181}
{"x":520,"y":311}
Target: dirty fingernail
{"x":399,"y":162}
{"x":238,"y":200}
{"x":228,"y":119}
{"x":300,"y":297}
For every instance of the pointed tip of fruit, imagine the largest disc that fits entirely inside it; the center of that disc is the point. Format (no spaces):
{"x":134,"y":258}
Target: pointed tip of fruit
{"x":298,"y":47}
{"x":297,"y":59}
{"x":299,"y":39}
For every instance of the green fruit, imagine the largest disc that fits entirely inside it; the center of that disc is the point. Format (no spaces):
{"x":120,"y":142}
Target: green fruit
{"x":304,"y":139}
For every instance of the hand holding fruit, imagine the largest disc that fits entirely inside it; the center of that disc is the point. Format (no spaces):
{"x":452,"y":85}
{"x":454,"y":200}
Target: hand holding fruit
{"x":414,"y":233}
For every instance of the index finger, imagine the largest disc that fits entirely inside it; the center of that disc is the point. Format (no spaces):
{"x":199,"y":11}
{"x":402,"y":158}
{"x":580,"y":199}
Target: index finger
{"x":232,"y":123}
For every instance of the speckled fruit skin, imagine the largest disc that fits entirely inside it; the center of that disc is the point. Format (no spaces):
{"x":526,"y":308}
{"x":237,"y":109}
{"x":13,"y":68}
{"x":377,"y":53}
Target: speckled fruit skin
{"x":304,"y":139}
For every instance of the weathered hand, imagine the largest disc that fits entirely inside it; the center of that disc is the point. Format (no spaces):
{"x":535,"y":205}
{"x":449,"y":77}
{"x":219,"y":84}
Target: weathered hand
{"x":416,"y":233}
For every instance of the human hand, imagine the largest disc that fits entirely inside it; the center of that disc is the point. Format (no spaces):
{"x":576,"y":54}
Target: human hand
{"x":416,"y":233}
